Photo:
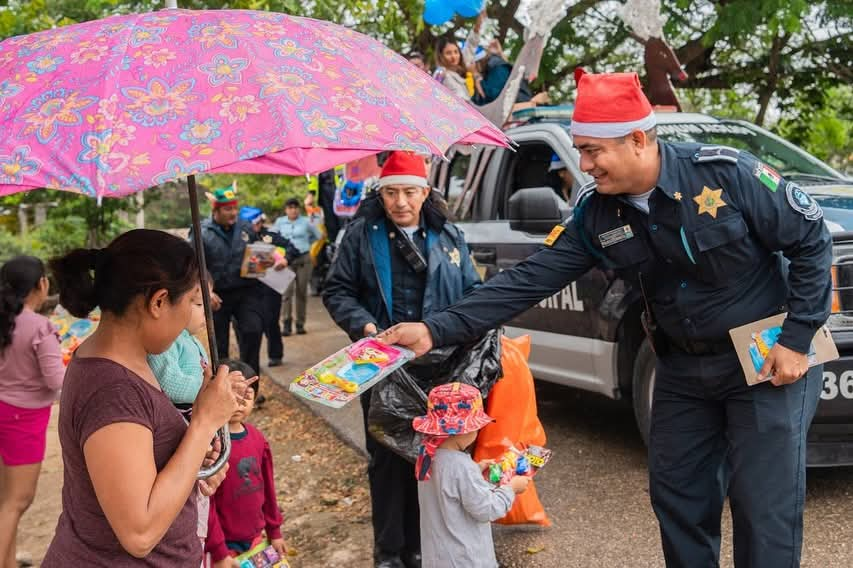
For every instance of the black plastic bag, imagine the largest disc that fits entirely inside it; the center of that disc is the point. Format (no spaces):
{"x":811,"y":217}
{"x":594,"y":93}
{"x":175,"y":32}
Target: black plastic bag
{"x":402,"y":396}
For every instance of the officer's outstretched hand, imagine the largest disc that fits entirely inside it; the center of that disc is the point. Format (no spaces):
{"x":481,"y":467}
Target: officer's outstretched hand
{"x":415,"y":336}
{"x":785,"y":365}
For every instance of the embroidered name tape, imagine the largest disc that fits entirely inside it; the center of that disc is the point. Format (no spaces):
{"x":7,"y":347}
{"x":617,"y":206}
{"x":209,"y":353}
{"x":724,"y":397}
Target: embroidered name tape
{"x":614,"y":236}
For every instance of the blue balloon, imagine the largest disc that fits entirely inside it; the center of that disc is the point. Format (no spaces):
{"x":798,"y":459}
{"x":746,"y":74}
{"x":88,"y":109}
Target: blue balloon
{"x":437,"y":12}
{"x":469,"y":8}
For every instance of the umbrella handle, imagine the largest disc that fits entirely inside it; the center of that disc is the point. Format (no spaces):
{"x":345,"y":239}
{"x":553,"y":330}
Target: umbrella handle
{"x":225,"y":439}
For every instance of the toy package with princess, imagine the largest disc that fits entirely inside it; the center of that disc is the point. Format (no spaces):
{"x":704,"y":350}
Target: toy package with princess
{"x":346,"y":374}
{"x":262,"y":555}
{"x":527,"y":461}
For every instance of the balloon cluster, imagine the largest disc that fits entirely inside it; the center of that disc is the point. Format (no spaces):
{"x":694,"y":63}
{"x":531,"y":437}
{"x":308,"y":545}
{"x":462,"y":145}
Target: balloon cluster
{"x":437,"y":12}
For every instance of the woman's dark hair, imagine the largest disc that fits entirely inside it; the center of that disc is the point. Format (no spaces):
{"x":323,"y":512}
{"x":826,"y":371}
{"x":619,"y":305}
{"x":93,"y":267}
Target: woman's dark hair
{"x":139,"y":262}
{"x":443,"y":42}
{"x":18,"y":277}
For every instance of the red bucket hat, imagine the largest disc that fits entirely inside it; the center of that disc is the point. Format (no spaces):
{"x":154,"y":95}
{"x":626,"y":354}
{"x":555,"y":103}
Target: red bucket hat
{"x":452,"y":409}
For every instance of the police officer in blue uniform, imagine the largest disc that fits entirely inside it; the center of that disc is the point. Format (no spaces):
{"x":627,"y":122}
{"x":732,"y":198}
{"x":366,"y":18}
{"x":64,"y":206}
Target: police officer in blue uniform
{"x":705,"y":233}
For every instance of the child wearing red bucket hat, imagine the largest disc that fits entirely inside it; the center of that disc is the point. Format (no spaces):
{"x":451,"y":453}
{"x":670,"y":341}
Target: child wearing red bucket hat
{"x":457,"y":504}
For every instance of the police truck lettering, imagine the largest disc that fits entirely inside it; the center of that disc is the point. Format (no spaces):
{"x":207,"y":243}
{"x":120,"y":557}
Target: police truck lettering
{"x":565,"y":299}
{"x":835,"y":386}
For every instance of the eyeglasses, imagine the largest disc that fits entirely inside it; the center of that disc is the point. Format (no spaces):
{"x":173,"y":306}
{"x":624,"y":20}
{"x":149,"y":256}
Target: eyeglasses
{"x":394,"y":193}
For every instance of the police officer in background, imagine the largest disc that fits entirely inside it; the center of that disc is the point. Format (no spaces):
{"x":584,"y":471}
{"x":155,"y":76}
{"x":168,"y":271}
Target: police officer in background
{"x":225,"y":236}
{"x":271,"y":299}
{"x":701,"y":230}
{"x":399,"y":260}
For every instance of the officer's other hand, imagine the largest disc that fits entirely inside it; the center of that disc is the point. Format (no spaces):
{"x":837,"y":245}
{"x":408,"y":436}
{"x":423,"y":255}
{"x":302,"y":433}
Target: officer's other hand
{"x":415,"y":336}
{"x":370,"y":330}
{"x":280,"y":265}
{"x":785,"y":365}
{"x":215,"y":301}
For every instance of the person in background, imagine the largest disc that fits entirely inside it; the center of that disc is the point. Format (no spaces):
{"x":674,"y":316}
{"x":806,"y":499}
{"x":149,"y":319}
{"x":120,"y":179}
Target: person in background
{"x":399,"y":260}
{"x":245,"y":504}
{"x":130,"y":461}
{"x":558,"y":166}
{"x":417,"y":59}
{"x":454,"y":66}
{"x":31,"y":374}
{"x":298,"y":230}
{"x":270,"y":298}
{"x":312,"y":210}
{"x":493,"y":70}
{"x":225,"y":237}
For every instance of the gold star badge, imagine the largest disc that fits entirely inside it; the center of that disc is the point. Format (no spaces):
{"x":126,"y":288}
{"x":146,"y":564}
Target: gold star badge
{"x":455,"y":257}
{"x":677,"y":195}
{"x":709,"y":201}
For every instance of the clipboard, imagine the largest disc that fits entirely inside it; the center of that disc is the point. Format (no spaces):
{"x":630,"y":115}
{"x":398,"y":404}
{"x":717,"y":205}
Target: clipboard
{"x":754,"y":340}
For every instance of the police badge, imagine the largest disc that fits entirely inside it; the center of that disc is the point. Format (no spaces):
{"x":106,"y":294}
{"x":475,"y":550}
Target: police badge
{"x":802,"y":202}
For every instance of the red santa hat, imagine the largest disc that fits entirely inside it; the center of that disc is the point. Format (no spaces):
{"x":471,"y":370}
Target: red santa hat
{"x":404,"y":168}
{"x":610,"y":105}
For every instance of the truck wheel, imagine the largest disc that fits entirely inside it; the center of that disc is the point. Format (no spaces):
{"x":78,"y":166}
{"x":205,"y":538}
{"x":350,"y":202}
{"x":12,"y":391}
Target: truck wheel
{"x":643,"y":387}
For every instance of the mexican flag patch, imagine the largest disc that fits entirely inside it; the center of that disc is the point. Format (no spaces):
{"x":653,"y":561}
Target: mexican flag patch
{"x":768,"y":177}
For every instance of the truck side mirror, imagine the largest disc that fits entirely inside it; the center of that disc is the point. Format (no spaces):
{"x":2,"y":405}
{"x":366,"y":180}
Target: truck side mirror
{"x":535,"y":210}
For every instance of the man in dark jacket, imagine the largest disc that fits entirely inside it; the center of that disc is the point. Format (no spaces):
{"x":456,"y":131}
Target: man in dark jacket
{"x":225,"y":237}
{"x":399,"y":260}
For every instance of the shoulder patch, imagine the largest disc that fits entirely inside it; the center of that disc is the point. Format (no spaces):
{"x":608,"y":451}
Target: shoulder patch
{"x":767,"y":176}
{"x":716,"y":154}
{"x":802,"y":202}
{"x":554,"y":234}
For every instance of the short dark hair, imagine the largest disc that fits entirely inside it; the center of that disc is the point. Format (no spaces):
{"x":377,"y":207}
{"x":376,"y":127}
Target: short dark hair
{"x":139,"y":262}
{"x":292,"y":202}
{"x":241,"y":367}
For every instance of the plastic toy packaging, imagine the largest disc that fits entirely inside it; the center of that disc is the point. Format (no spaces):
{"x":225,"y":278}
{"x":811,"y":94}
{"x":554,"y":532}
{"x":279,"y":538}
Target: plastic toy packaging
{"x":254,"y":256}
{"x":514,"y":462}
{"x":262,"y":556}
{"x":72,"y":330}
{"x":346,"y":374}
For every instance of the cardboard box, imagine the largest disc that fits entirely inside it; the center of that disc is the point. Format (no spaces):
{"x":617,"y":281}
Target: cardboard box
{"x":753,"y":340}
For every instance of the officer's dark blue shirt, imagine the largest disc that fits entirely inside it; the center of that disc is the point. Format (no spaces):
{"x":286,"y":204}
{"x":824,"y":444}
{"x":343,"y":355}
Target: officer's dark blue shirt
{"x":408,"y":285}
{"x":708,"y":253}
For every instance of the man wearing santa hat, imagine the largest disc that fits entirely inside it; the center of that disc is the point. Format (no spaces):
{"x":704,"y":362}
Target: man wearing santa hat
{"x":400,"y":260}
{"x":702,"y":231}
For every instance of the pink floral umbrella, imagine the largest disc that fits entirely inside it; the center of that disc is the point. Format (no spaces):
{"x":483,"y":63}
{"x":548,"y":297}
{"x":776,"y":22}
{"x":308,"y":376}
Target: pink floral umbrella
{"x":114,"y":106}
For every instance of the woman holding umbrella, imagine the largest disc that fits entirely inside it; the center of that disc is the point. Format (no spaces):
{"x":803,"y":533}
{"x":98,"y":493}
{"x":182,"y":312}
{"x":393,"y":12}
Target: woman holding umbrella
{"x":130,"y":461}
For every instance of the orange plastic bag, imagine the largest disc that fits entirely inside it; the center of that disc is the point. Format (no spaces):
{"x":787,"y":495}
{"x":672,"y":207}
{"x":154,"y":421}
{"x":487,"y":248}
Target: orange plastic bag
{"x":512,"y":403}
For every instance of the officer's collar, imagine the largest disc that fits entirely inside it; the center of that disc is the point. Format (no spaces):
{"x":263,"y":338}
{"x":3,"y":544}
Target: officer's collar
{"x":668,"y":177}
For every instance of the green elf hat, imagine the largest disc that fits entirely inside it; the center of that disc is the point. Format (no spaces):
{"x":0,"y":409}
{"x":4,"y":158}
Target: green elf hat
{"x":223,"y":197}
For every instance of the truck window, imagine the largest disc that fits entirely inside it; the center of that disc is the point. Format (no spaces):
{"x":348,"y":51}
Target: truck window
{"x":531,"y":167}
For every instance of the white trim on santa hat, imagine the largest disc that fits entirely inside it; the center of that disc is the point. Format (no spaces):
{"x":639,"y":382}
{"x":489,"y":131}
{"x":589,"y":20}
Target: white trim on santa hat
{"x":612,"y":129}
{"x":403,"y":180}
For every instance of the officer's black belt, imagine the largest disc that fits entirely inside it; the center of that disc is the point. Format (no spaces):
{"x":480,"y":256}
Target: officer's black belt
{"x":703,"y":347}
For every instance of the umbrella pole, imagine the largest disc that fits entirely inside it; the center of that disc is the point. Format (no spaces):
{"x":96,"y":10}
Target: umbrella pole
{"x":202,"y":271}
{"x":223,"y":433}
